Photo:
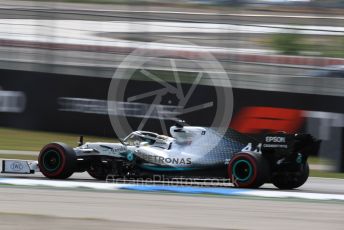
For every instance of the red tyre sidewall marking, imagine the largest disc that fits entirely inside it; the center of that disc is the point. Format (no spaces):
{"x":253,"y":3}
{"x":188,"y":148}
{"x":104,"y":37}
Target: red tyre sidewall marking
{"x":254,"y":165}
{"x":61,"y":152}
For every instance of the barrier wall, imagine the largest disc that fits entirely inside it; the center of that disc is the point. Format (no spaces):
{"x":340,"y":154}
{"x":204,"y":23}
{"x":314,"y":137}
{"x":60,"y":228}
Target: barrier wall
{"x":76,"y":104}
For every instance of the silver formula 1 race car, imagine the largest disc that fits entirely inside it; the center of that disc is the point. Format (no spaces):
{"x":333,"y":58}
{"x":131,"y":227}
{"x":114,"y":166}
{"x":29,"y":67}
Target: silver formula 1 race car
{"x":190,"y":152}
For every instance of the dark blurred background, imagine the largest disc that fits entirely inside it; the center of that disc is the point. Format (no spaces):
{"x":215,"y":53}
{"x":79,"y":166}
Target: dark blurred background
{"x":284,"y":59}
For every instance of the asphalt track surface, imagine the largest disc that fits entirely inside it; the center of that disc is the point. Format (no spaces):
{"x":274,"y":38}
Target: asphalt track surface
{"x":90,"y":209}
{"x":39,"y":208}
{"x":313,"y":185}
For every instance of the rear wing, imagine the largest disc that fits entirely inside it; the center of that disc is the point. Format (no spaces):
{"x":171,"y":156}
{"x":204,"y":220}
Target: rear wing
{"x":285,"y":145}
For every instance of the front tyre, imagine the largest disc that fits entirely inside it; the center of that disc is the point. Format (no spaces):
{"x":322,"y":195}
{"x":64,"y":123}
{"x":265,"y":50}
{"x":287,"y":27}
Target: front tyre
{"x":291,"y":180}
{"x":248,"y":170}
{"x":57,"y":161}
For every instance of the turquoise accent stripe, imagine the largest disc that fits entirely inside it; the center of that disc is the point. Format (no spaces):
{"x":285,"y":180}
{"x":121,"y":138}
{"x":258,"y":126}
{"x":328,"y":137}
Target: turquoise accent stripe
{"x":235,"y":171}
{"x":45,"y":160}
{"x":165,"y":169}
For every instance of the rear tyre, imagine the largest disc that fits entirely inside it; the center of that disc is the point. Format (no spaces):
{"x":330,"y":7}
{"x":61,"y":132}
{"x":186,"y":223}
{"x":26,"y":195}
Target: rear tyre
{"x":57,"y":161}
{"x":248,"y":170}
{"x":291,"y":180}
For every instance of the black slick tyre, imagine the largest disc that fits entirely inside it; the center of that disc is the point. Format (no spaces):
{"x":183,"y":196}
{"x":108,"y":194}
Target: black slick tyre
{"x":248,"y":170}
{"x":291,"y":180}
{"x":57,"y":161}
